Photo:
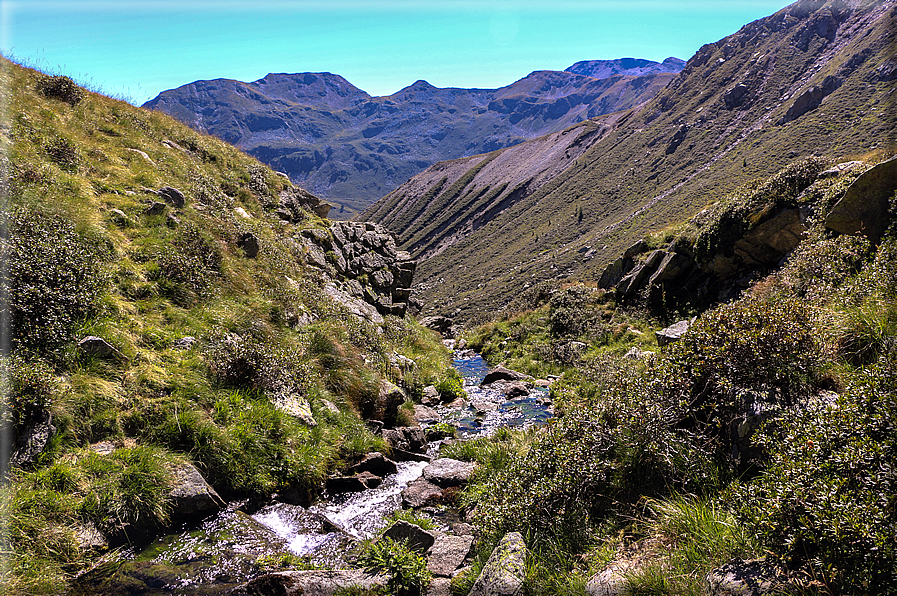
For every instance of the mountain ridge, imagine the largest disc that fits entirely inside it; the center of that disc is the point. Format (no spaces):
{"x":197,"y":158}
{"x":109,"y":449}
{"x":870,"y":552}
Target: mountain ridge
{"x":813,"y":79}
{"x":351,"y":148}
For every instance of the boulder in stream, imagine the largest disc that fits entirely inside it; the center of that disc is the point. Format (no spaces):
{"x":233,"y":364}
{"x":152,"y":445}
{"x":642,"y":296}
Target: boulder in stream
{"x":414,"y":536}
{"x":376,"y":463}
{"x":192,"y":496}
{"x":311,"y":583}
{"x":446,"y":472}
{"x":500,"y":373}
{"x":420,"y":493}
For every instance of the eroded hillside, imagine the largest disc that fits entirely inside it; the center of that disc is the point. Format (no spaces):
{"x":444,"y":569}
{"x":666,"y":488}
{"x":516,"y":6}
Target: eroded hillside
{"x":816,"y":78}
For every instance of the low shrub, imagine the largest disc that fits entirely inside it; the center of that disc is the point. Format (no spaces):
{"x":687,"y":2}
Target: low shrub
{"x":407,"y":570}
{"x":826,"y":500}
{"x":62,"y":88}
{"x":55,"y":279}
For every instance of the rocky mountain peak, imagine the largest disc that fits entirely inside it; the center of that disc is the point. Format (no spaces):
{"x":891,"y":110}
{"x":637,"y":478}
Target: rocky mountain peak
{"x":632,"y":67}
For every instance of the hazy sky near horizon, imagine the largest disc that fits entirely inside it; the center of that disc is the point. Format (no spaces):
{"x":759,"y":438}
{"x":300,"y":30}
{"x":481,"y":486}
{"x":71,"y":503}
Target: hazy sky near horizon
{"x":135,"y":49}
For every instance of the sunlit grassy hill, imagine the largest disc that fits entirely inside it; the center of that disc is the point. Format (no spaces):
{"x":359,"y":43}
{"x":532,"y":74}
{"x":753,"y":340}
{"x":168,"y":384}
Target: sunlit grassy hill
{"x":125,"y":225}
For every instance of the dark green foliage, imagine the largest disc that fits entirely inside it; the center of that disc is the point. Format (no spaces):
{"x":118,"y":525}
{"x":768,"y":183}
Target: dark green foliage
{"x":827,"y":498}
{"x":32,"y":388}
{"x":763,"y":346}
{"x":189,"y":267}
{"x":62,"y":88}
{"x":63,"y":152}
{"x":407,"y":570}
{"x":575,"y":311}
{"x":54,"y":280}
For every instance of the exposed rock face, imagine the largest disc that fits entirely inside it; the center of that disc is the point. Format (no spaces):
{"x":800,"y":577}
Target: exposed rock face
{"x":864,"y":207}
{"x":505,"y":570}
{"x":98,"y":347}
{"x":364,"y":259}
{"x":408,"y":438}
{"x":811,"y":99}
{"x":675,"y":275}
{"x":32,"y":441}
{"x":172,"y":196}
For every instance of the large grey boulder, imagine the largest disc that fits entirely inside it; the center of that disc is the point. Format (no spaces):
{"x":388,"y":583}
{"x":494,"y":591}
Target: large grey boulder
{"x":864,"y":207}
{"x":505,"y":570}
{"x":415,"y":537}
{"x":192,"y":496}
{"x":446,"y":472}
{"x":447,"y":554}
{"x":172,"y":196}
{"x":310,"y":583}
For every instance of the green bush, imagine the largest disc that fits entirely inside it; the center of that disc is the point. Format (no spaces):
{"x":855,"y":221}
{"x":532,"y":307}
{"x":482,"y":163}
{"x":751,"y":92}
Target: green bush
{"x":826,"y":500}
{"x":62,"y":88}
{"x":54,"y":279}
{"x":450,"y":387}
{"x":407,"y":570}
{"x":189,"y":267}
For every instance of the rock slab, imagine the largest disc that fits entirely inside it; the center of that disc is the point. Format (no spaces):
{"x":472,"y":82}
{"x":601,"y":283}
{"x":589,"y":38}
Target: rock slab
{"x":504,"y":571}
{"x":447,"y":554}
{"x":446,"y":472}
{"x":310,"y":583}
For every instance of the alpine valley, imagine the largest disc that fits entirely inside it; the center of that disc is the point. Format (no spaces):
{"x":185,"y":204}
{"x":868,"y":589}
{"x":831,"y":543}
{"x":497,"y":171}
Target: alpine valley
{"x":629,"y":328}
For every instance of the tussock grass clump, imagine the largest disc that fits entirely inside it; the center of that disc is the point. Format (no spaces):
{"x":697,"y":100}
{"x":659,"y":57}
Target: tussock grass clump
{"x":62,"y":88}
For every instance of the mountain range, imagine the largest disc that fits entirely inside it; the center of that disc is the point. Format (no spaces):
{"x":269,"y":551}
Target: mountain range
{"x":816,"y":78}
{"x":350,"y":148}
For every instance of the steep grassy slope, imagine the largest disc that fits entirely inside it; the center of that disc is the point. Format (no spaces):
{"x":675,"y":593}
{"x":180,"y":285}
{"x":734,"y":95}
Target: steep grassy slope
{"x":351,"y":148}
{"x":123,"y":224}
{"x":816,"y":78}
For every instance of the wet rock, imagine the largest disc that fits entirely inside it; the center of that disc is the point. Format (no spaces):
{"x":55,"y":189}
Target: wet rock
{"x":420,"y":493}
{"x":745,"y":578}
{"x":346,"y":484}
{"x":89,"y":537}
{"x":446,"y":472}
{"x":250,"y":245}
{"x":447,"y":554}
{"x":389,"y":399}
{"x":311,"y":583}
{"x":505,"y":570}
{"x":671,"y":334}
{"x":370,"y":480}
{"x":864,"y":208}
{"x":192,"y":496}
{"x":414,"y":536}
{"x":515,"y":390}
{"x":500,"y":373}
{"x":403,"y":455}
{"x":375,"y":463}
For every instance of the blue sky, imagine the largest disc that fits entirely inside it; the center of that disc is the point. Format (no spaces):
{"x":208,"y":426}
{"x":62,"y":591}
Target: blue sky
{"x":135,"y":49}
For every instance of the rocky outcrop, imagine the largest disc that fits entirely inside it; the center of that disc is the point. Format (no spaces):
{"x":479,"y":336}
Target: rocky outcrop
{"x":363,"y":260}
{"x":447,"y":554}
{"x":295,"y":203}
{"x":810,"y":99}
{"x":670,"y":334}
{"x":505,"y":570}
{"x":864,"y":208}
{"x":421,"y":493}
{"x":500,"y":373}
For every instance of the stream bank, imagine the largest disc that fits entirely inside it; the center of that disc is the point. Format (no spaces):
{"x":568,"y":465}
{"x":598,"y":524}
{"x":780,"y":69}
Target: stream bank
{"x":240,"y":542}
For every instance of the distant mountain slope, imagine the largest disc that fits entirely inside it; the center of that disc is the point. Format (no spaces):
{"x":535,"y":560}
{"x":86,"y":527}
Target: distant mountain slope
{"x":351,"y":148}
{"x":816,"y":78}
